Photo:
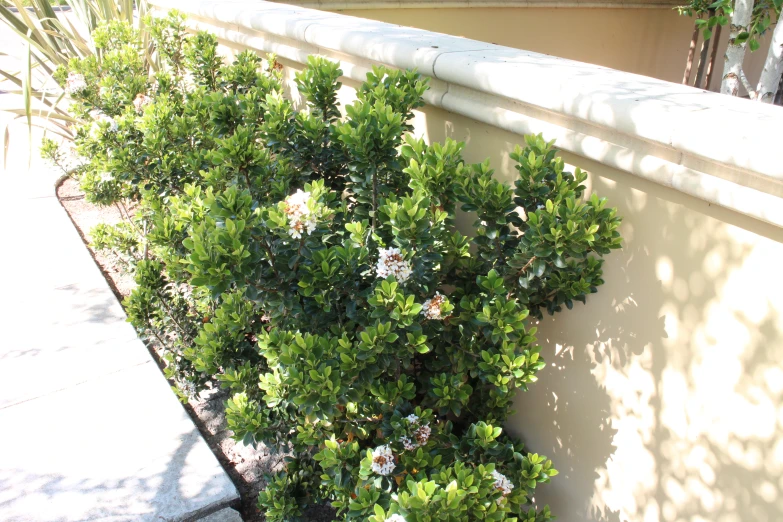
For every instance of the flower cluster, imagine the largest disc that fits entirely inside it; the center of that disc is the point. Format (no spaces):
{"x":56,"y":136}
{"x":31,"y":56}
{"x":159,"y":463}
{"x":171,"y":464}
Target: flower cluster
{"x":431,"y":307}
{"x":395,"y":518}
{"x":300,"y":218}
{"x":503,"y":484}
{"x":100,"y":117}
{"x":420,"y":435}
{"x":141,"y":101}
{"x":75,"y":83}
{"x":382,"y":460}
{"x":391,"y":262}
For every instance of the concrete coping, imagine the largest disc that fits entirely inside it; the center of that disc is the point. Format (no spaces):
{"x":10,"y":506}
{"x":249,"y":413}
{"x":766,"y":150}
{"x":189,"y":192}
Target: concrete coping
{"x":718,"y":148}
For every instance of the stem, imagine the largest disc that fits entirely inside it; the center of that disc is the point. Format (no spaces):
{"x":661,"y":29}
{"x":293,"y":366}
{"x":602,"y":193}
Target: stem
{"x":162,"y":344}
{"x":119,"y":258}
{"x":146,"y":244}
{"x":171,"y":315}
{"x":374,"y":197}
{"x":127,"y":218}
{"x":117,"y":205}
{"x":499,"y":249}
{"x":358,"y":420}
{"x":460,"y":348}
{"x":298,"y":254}
{"x":527,"y":265}
{"x":259,"y":287}
{"x":247,"y":179}
{"x":746,"y":84}
{"x":269,"y":252}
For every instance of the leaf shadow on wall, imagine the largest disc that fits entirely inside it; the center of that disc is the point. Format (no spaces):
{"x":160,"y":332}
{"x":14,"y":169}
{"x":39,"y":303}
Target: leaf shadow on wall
{"x":569,"y":406}
{"x":664,"y":409}
{"x":667,"y":355}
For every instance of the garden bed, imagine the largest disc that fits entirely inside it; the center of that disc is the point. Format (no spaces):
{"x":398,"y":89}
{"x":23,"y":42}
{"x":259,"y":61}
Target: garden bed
{"x":310,"y":263}
{"x":244,"y":464}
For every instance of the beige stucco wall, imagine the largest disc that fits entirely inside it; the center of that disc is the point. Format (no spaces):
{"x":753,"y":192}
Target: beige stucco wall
{"x":661,"y":399}
{"x":653,"y":42}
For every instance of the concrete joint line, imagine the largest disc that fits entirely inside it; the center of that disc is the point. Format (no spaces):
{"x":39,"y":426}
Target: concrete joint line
{"x":442,"y":96}
{"x":73,"y":385}
{"x":304,"y":34}
{"x":435,"y":61}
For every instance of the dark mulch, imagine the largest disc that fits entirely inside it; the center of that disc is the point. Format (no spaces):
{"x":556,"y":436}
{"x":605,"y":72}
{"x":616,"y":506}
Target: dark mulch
{"x":244,"y":464}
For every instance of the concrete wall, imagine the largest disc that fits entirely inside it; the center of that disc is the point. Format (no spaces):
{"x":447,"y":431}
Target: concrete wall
{"x":661,"y":399}
{"x":653,"y":42}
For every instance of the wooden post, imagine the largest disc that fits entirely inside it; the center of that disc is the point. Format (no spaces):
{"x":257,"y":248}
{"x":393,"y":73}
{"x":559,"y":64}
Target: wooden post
{"x":686,"y":78}
{"x":705,"y":47}
{"x":715,"y":43}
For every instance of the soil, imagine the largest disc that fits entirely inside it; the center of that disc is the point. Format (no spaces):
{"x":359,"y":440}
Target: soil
{"x":245,"y":465}
{"x":85,"y":216}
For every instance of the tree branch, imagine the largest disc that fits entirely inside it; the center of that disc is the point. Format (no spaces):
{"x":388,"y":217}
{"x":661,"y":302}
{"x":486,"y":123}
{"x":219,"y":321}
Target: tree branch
{"x":746,"y":84}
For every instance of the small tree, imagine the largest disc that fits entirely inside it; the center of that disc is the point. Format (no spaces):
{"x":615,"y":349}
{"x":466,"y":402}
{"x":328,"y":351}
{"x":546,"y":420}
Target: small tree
{"x":749,"y":22}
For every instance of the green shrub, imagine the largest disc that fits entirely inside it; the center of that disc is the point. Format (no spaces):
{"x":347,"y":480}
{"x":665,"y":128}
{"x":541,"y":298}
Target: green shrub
{"x":309,"y":262}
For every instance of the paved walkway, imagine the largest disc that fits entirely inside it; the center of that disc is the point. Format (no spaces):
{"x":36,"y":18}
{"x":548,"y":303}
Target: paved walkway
{"x":89,"y":429}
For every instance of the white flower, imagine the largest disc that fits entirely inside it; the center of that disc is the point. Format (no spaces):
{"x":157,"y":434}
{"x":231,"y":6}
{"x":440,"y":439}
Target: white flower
{"x":75,"y":83}
{"x":297,"y":202}
{"x":112,"y":124}
{"x":106,"y":177}
{"x":141,"y":101}
{"x":423,"y":434}
{"x":300,"y":218}
{"x":104,"y":91}
{"x":419,"y":436}
{"x":431,"y":307}
{"x":503,"y":484}
{"x":382,"y":460}
{"x":187,"y":388}
{"x":95,"y":129}
{"x":391,"y":262}
{"x":395,"y":518}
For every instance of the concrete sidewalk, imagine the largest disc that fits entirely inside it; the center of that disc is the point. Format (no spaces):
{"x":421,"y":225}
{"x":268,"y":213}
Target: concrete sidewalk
{"x":89,"y":429}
